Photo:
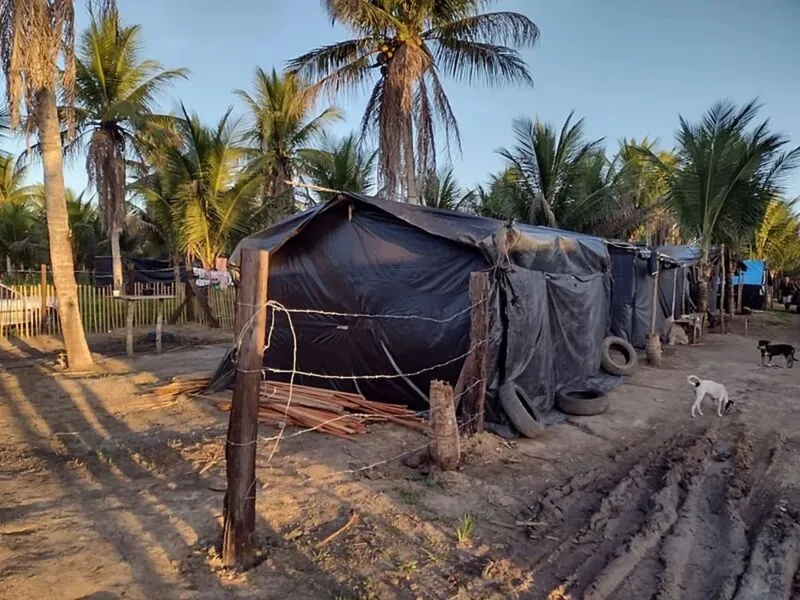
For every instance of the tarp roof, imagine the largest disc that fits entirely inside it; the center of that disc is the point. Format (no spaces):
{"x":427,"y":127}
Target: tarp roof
{"x":545,"y":249}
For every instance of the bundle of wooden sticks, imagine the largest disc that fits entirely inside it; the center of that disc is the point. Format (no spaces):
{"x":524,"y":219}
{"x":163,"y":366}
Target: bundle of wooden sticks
{"x":337,"y":413}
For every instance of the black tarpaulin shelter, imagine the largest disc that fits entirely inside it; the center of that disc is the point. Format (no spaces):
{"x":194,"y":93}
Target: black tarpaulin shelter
{"x":633,"y":271}
{"x":409,"y":267}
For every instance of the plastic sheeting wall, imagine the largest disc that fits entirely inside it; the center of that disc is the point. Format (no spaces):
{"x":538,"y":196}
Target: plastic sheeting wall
{"x":332,"y":267}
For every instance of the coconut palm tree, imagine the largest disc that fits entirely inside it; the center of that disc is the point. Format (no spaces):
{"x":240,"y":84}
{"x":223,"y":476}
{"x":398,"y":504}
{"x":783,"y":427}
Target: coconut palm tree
{"x":645,"y":185}
{"x":116,"y":92}
{"x":282,"y":123}
{"x":20,"y":239}
{"x":34,"y":35}
{"x":87,"y":229}
{"x":439,"y":189}
{"x":403,"y":47}
{"x":339,"y":164}
{"x":13,"y":188}
{"x":547,"y":164}
{"x":213,"y":197}
{"x":777,"y":240}
{"x":726,"y":175}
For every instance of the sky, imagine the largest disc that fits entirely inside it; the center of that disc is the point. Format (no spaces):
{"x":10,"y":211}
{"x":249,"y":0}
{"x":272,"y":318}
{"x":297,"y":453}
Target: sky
{"x":629,"y":67}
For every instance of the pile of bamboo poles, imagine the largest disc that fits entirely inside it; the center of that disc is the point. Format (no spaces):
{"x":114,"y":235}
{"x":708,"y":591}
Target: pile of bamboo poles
{"x":182,"y":384}
{"x":337,"y":413}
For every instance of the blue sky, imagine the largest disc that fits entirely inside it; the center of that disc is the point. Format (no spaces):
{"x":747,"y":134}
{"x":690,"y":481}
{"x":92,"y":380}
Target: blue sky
{"x":629,"y":67}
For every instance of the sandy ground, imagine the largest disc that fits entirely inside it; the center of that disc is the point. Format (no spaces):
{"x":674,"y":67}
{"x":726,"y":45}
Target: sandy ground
{"x":105,"y":495}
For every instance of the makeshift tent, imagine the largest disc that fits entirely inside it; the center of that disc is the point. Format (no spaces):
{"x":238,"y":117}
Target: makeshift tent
{"x":399,"y":274}
{"x":754,"y":279}
{"x":145,"y":270}
{"x":633,"y":270}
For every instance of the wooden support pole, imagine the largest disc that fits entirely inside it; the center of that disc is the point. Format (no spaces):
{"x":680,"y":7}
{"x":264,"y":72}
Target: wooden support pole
{"x":159,"y":323}
{"x":130,"y":305}
{"x":722,"y":288}
{"x":42,"y":296}
{"x":240,"y":449}
{"x":674,"y":290}
{"x":652,"y":345}
{"x":654,"y":299}
{"x":446,"y":446}
{"x":470,"y":389}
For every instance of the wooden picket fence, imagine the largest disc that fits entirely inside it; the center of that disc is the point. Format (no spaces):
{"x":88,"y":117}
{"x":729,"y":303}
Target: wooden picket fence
{"x":101,"y":312}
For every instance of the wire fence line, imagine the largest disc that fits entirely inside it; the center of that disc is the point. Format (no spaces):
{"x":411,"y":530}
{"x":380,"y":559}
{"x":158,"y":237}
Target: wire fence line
{"x":294,"y":371}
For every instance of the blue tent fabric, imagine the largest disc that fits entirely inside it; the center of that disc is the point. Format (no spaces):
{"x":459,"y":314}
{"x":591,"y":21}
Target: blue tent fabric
{"x":754,"y":275}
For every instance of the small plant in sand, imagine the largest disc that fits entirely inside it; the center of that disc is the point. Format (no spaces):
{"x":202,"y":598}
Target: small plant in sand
{"x":464,"y":529}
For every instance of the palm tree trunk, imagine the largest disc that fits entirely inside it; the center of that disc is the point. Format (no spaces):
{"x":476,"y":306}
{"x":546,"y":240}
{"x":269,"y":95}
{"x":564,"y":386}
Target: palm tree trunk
{"x":78,"y":356}
{"x":116,"y":260}
{"x":411,"y":169}
{"x":176,"y":273}
{"x":9,"y":266}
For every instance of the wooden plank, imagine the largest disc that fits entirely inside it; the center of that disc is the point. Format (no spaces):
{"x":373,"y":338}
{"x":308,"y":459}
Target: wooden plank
{"x":240,"y":450}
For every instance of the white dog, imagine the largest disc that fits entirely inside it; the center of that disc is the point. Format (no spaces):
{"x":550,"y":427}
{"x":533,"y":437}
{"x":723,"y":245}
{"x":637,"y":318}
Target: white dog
{"x":706,"y":387}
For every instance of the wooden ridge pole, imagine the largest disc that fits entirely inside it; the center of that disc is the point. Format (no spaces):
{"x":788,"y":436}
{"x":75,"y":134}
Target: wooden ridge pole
{"x":240,"y":449}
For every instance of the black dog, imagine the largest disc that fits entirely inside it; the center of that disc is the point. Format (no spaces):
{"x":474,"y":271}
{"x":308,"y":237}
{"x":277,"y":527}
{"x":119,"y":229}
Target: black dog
{"x":772,"y":350}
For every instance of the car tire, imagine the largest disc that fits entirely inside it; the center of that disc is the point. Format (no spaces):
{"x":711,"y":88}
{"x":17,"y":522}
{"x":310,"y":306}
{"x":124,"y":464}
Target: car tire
{"x":611,"y":364}
{"x":582,"y":402}
{"x":518,"y":408}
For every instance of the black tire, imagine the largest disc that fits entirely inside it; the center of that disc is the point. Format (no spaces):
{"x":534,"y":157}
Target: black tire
{"x":517,"y":406}
{"x":612,"y":366}
{"x":581,"y":402}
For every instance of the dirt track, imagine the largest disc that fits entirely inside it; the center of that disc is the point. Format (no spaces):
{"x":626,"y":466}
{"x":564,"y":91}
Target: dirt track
{"x":704,"y":515}
{"x":105,"y":497}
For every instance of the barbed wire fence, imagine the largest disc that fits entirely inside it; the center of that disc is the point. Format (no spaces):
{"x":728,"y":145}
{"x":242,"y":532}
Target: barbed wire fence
{"x":276,"y":307}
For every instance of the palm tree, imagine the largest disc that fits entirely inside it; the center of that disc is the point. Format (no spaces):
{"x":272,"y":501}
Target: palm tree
{"x":281,"y":125}
{"x":87,"y":229}
{"x":404,"y":47}
{"x":17,"y":221}
{"x":726,"y":175}
{"x":116,"y":91}
{"x":547,"y":165}
{"x":645,"y":185}
{"x":213,"y":198}
{"x":441,"y":190}
{"x":777,"y":240}
{"x":20,"y":241}
{"x":339,"y":164}
{"x":34,"y":34}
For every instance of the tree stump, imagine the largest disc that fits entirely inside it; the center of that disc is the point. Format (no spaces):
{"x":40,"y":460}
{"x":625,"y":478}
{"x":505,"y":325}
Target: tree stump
{"x":446,"y":447}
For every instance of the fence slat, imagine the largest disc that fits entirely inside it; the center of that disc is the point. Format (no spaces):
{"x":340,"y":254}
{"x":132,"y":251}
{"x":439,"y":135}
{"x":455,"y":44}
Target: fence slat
{"x":101,"y":312}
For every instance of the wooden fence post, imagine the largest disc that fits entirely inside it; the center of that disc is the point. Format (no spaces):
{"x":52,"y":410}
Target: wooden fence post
{"x":446,"y":446}
{"x":130,"y":308}
{"x":471,"y":382}
{"x":240,"y":448}
{"x":43,"y":296}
